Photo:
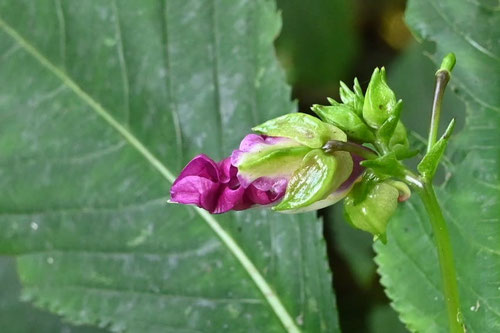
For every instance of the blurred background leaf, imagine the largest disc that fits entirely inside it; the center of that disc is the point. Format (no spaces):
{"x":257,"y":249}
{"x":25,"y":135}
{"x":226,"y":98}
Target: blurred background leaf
{"x":318,"y":43}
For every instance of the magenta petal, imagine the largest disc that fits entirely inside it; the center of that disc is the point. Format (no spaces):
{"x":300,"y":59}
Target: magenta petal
{"x":226,"y":169}
{"x":254,"y":142}
{"x":267,"y":183}
{"x":357,"y":171}
{"x":201,"y":166}
{"x":195,"y":190}
{"x":228,"y":199}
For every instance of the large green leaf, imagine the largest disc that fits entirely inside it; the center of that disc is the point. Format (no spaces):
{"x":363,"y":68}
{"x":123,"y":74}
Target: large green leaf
{"x":471,"y":196}
{"x":18,"y":317}
{"x":101,"y":104}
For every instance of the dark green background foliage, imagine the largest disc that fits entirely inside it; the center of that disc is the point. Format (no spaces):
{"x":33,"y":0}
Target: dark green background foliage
{"x":102,"y":103}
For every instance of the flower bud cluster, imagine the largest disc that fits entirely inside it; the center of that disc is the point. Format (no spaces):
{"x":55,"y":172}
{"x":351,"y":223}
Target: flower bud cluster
{"x":290,"y":164}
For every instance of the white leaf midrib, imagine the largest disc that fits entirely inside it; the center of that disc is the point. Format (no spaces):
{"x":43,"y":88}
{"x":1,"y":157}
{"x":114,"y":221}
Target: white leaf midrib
{"x":261,"y":283}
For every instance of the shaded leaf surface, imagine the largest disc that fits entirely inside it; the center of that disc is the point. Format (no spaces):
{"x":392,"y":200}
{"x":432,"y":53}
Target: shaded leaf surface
{"x":471,"y":197}
{"x":19,"y":317}
{"x":101,"y":103}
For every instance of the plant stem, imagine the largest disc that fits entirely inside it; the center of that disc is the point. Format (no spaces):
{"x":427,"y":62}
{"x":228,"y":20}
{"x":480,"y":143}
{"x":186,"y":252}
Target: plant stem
{"x":445,"y":256}
{"x":442,"y":78}
{"x":335,"y":145}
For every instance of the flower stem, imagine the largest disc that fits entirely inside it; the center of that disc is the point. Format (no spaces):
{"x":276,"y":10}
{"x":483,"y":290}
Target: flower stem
{"x":442,"y":78}
{"x":445,"y":256}
{"x":335,"y":145}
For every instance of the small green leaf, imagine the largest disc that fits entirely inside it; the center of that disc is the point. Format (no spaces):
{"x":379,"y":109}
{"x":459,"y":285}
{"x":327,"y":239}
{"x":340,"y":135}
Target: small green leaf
{"x":429,"y":164}
{"x":303,"y":128}
{"x":388,"y":128}
{"x":313,"y":181}
{"x":344,"y":117}
{"x":385,"y":166}
{"x":380,"y":100}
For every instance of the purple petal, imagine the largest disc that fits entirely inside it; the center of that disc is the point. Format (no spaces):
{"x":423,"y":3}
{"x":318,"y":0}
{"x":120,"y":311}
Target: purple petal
{"x":195,"y":190}
{"x":228,"y":199}
{"x":251,"y":142}
{"x":254,"y":142}
{"x":357,"y":171}
{"x":201,"y":166}
{"x":209,"y":185}
{"x":227,"y":170}
{"x":259,"y":197}
{"x":215,"y":187}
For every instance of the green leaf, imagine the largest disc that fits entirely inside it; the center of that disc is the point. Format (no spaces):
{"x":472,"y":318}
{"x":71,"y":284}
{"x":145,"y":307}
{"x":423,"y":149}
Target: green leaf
{"x":471,"y":196}
{"x":430,"y":162}
{"x":17,"y":316}
{"x":303,"y":128}
{"x":385,"y":166}
{"x":312,"y":181}
{"x":101,"y":104}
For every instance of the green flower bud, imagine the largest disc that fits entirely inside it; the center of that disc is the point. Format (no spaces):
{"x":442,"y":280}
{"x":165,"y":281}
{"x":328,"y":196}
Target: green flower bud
{"x":373,"y":212}
{"x":380,"y":100}
{"x":346,"y":119}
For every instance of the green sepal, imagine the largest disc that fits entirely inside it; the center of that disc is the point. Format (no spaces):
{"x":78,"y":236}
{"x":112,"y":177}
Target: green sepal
{"x":429,"y":164}
{"x":403,"y":152}
{"x":374,"y":212}
{"x":353,"y":98}
{"x":403,"y":189}
{"x":399,"y":137}
{"x":380,"y":100}
{"x":303,"y":128}
{"x":386,"y":166}
{"x":388,"y":128}
{"x":362,"y":188}
{"x":344,"y":117}
{"x":318,"y":176}
{"x":272,"y":161}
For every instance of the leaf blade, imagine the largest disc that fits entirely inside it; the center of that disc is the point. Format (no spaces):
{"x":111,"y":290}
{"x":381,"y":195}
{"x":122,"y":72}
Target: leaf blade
{"x":144,"y":203}
{"x":469,"y":198}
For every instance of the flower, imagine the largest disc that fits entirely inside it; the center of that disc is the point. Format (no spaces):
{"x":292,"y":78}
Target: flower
{"x":216,"y":188}
{"x":270,"y":171}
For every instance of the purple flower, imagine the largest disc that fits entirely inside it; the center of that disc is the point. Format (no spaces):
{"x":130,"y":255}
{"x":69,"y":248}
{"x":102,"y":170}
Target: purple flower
{"x":257,"y":174}
{"x":216,"y":188}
